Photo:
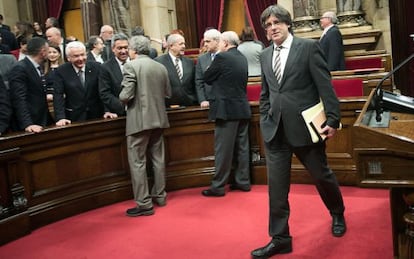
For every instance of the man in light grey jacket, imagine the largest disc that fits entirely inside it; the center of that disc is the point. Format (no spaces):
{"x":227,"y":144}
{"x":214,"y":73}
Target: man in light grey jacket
{"x":144,"y":88}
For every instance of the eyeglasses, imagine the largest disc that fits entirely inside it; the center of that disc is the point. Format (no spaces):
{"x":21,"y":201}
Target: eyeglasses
{"x":269,"y":25}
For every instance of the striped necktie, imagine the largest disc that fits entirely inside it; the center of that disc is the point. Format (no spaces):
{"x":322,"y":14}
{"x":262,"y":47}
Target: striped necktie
{"x":177,"y":67}
{"x":277,"y":68}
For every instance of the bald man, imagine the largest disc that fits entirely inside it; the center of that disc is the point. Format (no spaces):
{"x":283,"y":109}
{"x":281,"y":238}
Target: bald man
{"x":107,"y":32}
{"x":54,"y":37}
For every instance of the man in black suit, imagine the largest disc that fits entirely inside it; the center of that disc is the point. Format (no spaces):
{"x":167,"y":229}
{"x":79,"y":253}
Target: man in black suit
{"x":111,"y":77}
{"x":28,"y":88}
{"x":230,"y":109}
{"x":180,"y":71}
{"x":211,"y":43}
{"x":294,"y":77}
{"x":76,"y":93}
{"x":331,"y":42}
{"x":8,"y":38}
{"x":5,"y":107}
{"x":54,"y":36}
{"x":106,"y":34}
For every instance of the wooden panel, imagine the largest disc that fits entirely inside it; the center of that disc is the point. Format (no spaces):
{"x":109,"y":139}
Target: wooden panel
{"x":68,"y":170}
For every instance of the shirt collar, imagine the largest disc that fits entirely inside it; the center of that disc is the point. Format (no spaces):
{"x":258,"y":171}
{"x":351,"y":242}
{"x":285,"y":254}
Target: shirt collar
{"x":286,"y":44}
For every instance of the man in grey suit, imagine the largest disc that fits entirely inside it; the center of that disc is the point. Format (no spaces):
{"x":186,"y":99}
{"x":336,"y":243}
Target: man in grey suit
{"x":230,"y":109}
{"x":144,"y":89}
{"x":181,"y":72}
{"x":211,"y":42}
{"x":295,"y":77}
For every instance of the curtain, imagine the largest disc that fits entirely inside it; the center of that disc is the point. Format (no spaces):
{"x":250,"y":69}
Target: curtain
{"x":54,"y":8}
{"x":209,"y":14}
{"x":253,"y":11}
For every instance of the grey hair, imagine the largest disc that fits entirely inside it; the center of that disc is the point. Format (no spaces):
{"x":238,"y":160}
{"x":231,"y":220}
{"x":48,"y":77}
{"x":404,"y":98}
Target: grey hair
{"x":231,"y":37}
{"x":212,"y":34}
{"x":74,"y":45}
{"x":173,"y":38}
{"x":118,"y":36}
{"x":140,"y":44}
{"x":331,"y":15}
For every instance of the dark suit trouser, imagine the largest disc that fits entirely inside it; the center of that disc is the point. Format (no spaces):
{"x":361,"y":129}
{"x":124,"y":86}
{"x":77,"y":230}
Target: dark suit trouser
{"x":231,"y":147}
{"x":278,"y":160}
{"x":149,"y":142}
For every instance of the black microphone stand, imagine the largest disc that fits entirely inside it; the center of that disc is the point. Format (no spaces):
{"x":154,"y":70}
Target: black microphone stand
{"x":377,"y":99}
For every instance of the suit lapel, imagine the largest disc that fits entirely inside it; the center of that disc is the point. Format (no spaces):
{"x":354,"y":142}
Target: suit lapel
{"x":293,"y":55}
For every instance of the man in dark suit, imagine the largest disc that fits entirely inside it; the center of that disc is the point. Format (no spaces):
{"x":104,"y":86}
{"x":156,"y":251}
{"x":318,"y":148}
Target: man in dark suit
{"x":331,"y":42}
{"x":76,"y":93}
{"x":180,"y":71}
{"x":211,"y":43}
{"x":294,"y":77}
{"x":54,"y":36}
{"x":106,"y":34}
{"x":111,"y":77}
{"x":230,"y":109}
{"x":2,"y":25}
{"x":95,"y":48}
{"x":5,"y":107}
{"x":28,"y":88}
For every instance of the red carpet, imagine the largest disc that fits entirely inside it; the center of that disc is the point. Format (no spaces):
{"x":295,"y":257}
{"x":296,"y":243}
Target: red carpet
{"x":193,"y":226}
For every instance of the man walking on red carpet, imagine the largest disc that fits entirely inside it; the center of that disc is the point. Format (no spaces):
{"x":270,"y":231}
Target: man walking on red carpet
{"x":295,"y":77}
{"x":144,"y":88}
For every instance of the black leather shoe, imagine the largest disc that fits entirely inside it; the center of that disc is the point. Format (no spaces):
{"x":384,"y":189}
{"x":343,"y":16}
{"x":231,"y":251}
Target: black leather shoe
{"x":243,"y":188}
{"x":271,"y":249}
{"x":211,"y":193}
{"x":136,"y":211}
{"x":338,"y":225}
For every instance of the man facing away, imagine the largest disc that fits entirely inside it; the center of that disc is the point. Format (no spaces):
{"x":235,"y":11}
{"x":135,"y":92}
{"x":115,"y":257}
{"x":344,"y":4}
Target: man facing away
{"x":211,"y":44}
{"x":230,"y":110}
{"x":294,"y":77}
{"x":331,"y":42}
{"x":144,"y":89}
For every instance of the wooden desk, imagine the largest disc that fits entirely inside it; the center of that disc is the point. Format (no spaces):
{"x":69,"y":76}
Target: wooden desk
{"x":385,"y":158}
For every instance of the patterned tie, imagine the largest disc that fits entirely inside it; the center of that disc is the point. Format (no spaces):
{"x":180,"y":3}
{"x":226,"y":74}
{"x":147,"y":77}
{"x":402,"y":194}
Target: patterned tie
{"x":277,"y":69}
{"x":177,"y":67}
{"x":81,"y":75}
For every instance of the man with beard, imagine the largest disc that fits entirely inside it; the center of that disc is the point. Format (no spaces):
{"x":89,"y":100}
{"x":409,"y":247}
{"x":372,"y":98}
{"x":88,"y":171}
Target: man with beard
{"x":28,"y":89}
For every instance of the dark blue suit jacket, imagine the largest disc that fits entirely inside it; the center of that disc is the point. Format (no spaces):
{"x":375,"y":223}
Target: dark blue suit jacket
{"x":28,"y":96}
{"x":183,"y":92}
{"x":228,"y":74}
{"x":73,"y":101}
{"x":333,"y":49}
{"x":110,"y":86}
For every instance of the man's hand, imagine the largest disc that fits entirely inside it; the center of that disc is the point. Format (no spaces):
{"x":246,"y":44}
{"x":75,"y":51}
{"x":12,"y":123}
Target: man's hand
{"x":204,"y":104}
{"x":63,"y":122}
{"x":110,"y":115}
{"x":328,"y":131}
{"x":34,"y":128}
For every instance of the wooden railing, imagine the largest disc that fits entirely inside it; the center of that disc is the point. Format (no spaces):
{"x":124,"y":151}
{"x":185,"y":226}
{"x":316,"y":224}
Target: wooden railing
{"x":64,"y":171}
